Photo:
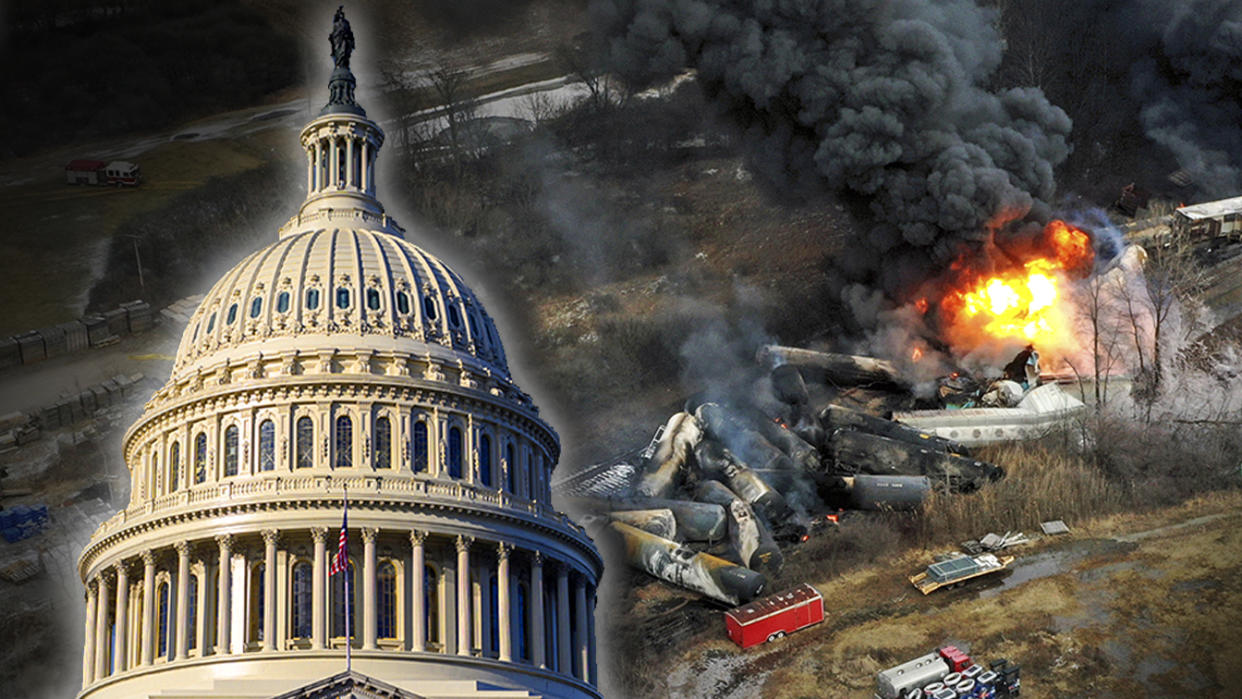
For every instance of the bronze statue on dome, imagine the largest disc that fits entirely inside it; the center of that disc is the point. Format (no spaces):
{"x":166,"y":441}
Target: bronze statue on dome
{"x":342,"y":39}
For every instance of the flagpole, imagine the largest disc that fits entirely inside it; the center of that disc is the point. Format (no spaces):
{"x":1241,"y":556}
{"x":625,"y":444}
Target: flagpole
{"x":349,"y":637}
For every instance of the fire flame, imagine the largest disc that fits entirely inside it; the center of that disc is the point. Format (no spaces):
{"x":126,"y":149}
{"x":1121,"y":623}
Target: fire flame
{"x":1024,"y":302}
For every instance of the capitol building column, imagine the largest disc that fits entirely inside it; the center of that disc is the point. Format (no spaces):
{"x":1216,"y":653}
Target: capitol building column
{"x":182,"y":627}
{"x":318,"y":592}
{"x":88,"y":653}
{"x":223,"y":596}
{"x":464,"y":642}
{"x":538,"y":644}
{"x":503,"y":607}
{"x":120,"y":630}
{"x":148,"y":607}
{"x":101,"y":628}
{"x":418,"y":595}
{"x":270,"y":538}
{"x":369,"y":602}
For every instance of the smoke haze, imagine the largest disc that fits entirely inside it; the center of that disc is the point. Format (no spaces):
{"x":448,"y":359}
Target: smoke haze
{"x":883,"y":100}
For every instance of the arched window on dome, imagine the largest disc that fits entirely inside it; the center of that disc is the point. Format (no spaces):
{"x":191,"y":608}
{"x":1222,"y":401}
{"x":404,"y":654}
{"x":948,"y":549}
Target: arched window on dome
{"x":431,"y":605}
{"x":386,"y":595}
{"x":282,"y":302}
{"x":164,"y":650}
{"x":192,"y":611}
{"x":197,"y":326}
{"x":230,"y":450}
{"x":312,"y":299}
{"x":373,"y":299}
{"x":429,"y":307}
{"x":305,"y":442}
{"x":532,"y":473}
{"x":174,"y":467}
{"x":232,"y":316}
{"x":383,"y":443}
{"x":155,"y":475}
{"x":454,"y":452}
{"x":510,"y":468}
{"x":474,"y":326}
{"x":485,"y":460}
{"x":267,"y":446}
{"x":338,"y":585}
{"x":344,"y":442}
{"x":254,"y":625}
{"x":521,"y":645}
{"x":200,"y":458}
{"x":342,"y":297}
{"x":403,"y":302}
{"x":302,"y":600}
{"x":256,"y":306}
{"x":211,"y":323}
{"x":420,"y":447}
{"x":454,"y":315}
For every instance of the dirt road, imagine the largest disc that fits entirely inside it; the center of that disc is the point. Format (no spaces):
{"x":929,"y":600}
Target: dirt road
{"x":1134,"y":605}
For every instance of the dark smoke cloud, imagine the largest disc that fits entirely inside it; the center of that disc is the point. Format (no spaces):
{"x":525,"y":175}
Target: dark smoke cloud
{"x":1191,"y":88}
{"x":884,"y":99}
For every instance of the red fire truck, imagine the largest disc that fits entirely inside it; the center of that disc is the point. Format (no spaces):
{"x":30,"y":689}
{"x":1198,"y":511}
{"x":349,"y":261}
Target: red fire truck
{"x":120,"y":173}
{"x":772,"y":617}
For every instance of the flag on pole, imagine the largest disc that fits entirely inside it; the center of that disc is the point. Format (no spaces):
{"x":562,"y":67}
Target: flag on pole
{"x":340,"y":560}
{"x":340,"y":564}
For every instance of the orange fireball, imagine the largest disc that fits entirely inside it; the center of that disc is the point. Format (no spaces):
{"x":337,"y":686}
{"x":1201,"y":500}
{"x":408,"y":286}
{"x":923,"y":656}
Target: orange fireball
{"x":1024,"y":302}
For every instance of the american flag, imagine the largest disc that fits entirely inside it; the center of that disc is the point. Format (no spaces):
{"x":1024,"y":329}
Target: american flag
{"x":340,"y":561}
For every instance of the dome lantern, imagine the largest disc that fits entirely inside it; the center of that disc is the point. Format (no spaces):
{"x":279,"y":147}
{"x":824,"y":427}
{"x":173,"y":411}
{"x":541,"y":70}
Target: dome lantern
{"x":341,"y":146}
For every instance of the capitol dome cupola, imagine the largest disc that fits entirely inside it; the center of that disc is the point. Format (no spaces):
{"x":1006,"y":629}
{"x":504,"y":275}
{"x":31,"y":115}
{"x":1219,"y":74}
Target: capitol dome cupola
{"x":341,"y":145}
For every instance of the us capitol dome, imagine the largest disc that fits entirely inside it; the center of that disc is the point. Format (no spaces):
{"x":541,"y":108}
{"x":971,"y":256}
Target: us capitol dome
{"x":341,"y":361}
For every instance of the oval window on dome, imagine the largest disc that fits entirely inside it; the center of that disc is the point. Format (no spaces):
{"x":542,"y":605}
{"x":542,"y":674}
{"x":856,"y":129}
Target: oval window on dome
{"x":403,"y":302}
{"x":312,"y":299}
{"x":342,"y":297}
{"x":474,"y":325}
{"x":256,"y":306}
{"x":232,"y":316}
{"x":429,"y":307}
{"x":454,"y":316}
{"x":373,"y":299}
{"x":211,"y":323}
{"x":282,"y":302}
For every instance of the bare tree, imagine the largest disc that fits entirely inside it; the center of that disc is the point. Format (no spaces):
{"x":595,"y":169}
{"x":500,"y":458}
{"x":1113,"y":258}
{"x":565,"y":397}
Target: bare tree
{"x":409,"y":97}
{"x":1097,"y":312}
{"x":457,"y":108}
{"x":1174,"y":280}
{"x":539,"y":108}
{"x":584,"y":64}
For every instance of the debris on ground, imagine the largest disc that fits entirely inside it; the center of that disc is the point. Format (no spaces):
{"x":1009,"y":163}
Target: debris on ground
{"x":1054,"y":527}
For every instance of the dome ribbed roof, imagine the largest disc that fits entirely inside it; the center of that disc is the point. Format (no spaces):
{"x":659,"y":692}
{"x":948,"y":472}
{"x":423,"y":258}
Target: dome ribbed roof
{"x":340,"y":288}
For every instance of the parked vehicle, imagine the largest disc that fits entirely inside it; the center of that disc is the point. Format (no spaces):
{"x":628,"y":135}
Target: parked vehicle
{"x":773,"y":617}
{"x":120,"y":173}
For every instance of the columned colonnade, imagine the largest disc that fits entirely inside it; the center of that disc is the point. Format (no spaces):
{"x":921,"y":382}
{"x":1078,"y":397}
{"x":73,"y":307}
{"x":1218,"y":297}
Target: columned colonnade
{"x":352,"y":152}
{"x":268,"y":591}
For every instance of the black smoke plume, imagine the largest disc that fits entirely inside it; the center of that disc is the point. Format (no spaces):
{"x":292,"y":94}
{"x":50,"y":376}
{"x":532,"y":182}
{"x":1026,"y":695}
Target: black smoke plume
{"x":1190,"y":88}
{"x":882,"y":99}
